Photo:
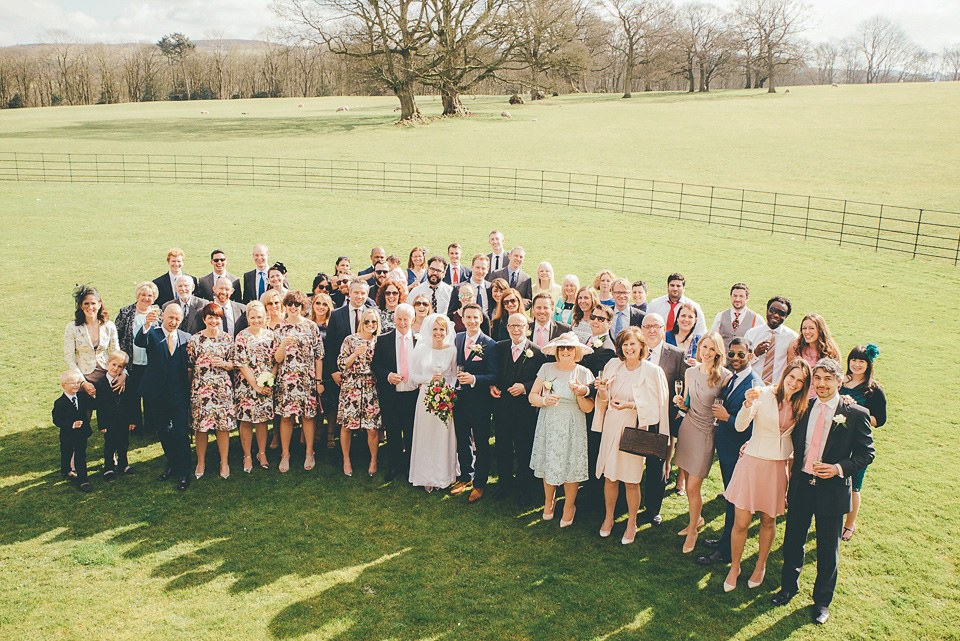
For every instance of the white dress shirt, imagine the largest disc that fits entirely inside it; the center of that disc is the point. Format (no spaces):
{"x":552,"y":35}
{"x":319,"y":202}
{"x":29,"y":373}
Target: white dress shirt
{"x":353,"y":317}
{"x":444,"y":292}
{"x":625,"y":322}
{"x":662,"y":306}
{"x":256,"y":283}
{"x":481,"y":293}
{"x":228,"y":315}
{"x":783,"y":337}
{"x":830,"y":407}
{"x":173,"y":281}
{"x":166,"y":337}
{"x":405,"y":386}
{"x":654,"y":355}
{"x":499,"y":261}
{"x":757,"y":320}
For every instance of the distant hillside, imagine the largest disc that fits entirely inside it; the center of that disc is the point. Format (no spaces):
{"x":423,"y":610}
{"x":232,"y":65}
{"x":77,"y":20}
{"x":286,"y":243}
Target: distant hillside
{"x":203,"y":45}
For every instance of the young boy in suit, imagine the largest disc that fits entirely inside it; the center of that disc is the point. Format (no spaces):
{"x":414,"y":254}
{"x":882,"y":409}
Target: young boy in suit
{"x":70,"y":413}
{"x":113,"y":418}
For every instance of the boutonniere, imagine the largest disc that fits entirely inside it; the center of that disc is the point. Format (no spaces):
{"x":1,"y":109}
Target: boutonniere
{"x":597,"y":343}
{"x":528,"y":353}
{"x":840,"y":420}
{"x":416,"y":337}
{"x":548,"y":385}
{"x":529,"y":333}
{"x":476,"y":349}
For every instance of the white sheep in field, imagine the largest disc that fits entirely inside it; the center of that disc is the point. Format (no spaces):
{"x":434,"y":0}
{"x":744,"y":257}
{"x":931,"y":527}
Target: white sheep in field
{"x":505,"y":114}
{"x":300,"y":106}
{"x":343,"y":108}
{"x":204,"y":112}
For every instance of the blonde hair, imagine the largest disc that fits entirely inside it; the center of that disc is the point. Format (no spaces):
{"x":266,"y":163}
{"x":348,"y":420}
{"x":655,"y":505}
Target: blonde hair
{"x":254,"y":305}
{"x":601,"y":274}
{"x":719,"y":358}
{"x":118,"y":355}
{"x":550,"y":268}
{"x":370,"y":311}
{"x":148,"y":286}
{"x":68,"y":374}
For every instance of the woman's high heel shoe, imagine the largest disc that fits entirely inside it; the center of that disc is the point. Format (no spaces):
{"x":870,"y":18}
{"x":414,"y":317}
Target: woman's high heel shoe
{"x":628,"y":540}
{"x":756,"y":584}
{"x":284,"y":463}
{"x":225,"y":475}
{"x":548,"y":516}
{"x":262,"y":459}
{"x":347,"y":469}
{"x":198,"y":472}
{"x":700,"y":525}
{"x":247,"y":468}
{"x":564,"y":523}
{"x":729,"y":587}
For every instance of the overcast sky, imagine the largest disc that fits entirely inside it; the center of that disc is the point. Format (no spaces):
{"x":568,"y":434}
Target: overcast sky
{"x":932,"y":23}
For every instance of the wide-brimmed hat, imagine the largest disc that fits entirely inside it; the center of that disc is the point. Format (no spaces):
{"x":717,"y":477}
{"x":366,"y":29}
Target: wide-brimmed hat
{"x":568,"y":339}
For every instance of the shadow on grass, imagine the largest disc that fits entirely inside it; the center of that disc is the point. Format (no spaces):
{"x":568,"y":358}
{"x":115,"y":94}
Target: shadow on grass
{"x":356,"y":558}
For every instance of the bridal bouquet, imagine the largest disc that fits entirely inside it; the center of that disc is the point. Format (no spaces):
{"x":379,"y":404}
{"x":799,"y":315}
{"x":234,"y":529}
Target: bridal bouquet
{"x":265,"y":379}
{"x":440,"y":399}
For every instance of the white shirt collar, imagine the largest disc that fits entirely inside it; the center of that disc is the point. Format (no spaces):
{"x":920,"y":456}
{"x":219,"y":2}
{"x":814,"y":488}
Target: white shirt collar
{"x":832,"y":403}
{"x":72,"y":397}
{"x":166,"y":334}
{"x":738,"y":378}
{"x":539,"y":326}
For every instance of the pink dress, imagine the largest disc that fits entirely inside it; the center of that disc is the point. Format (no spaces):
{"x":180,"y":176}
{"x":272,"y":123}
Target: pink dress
{"x":758,"y":484}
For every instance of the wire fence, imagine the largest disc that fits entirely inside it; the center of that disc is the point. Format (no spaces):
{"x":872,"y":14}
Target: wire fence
{"x":908,"y":230}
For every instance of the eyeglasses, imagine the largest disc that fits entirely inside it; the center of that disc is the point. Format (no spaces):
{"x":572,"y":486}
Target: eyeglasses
{"x":732,"y":354}
{"x":651,"y":326}
{"x":517,"y":326}
{"x":219,"y":260}
{"x":434,"y":270}
{"x":620,"y":293}
{"x":599,"y":318}
{"x":465,"y":295}
{"x":370,"y":321}
{"x":421,"y":304}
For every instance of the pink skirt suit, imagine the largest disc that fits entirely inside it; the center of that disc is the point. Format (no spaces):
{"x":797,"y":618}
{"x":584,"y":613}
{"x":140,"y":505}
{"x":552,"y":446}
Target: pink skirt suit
{"x":759,"y":482}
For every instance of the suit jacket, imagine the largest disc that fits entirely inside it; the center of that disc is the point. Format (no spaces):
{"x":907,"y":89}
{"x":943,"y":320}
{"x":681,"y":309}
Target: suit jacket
{"x":598,"y":359}
{"x":524,"y":371}
{"x":111,"y":406}
{"x":488,"y":309}
{"x":555,"y":328}
{"x":674,"y":367}
{"x":727,"y":432}
{"x":166,"y":375}
{"x":166,"y":290}
{"x":190,"y":313}
{"x":384,"y":362}
{"x":476,"y":398}
{"x":465,"y":273}
{"x":849,"y":445}
{"x":338,"y":328}
{"x":64,"y":414}
{"x":524,"y":283}
{"x":636,"y":319}
{"x":205,"y":287}
{"x":250,"y":287}
{"x":503,"y":263}
{"x":239,"y":320}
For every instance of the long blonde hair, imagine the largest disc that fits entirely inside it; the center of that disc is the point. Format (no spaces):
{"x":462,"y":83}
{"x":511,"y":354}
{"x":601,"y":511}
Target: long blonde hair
{"x":719,"y":358}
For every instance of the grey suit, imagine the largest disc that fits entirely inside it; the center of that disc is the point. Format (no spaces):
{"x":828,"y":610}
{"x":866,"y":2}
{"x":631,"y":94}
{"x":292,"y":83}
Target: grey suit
{"x":239,"y":319}
{"x":190,"y":313}
{"x":524,"y":283}
{"x":205,"y":287}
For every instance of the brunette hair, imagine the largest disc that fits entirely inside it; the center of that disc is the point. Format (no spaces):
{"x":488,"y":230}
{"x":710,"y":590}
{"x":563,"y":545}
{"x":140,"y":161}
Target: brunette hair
{"x":631,"y":331}
{"x":800,"y":399}
{"x":826,"y":347}
{"x":577,"y":312}
{"x":80,"y":293}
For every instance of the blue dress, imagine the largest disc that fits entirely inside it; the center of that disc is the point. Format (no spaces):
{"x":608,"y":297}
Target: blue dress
{"x":560,"y":443}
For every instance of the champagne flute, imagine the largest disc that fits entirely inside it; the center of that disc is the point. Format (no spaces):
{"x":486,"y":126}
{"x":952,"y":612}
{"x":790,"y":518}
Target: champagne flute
{"x":678,"y":386}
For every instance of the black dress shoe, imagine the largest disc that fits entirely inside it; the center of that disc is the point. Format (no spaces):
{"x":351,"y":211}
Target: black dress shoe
{"x":712,"y":559}
{"x":782,"y":598}
{"x":167,"y":473}
{"x":710,"y":543}
{"x":183,"y":483}
{"x":819,"y":614}
{"x":109,"y":475}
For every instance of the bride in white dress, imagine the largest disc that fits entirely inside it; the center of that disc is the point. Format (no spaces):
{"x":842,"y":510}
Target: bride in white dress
{"x":433,"y":455}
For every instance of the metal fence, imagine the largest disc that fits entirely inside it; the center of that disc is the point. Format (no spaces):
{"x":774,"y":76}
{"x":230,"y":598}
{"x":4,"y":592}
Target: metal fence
{"x":909,"y":230}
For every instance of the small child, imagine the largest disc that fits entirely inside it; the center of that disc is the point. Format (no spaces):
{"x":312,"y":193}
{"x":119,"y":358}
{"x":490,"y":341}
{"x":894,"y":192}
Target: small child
{"x":70,"y":414}
{"x":397,"y":273}
{"x":113,"y":418}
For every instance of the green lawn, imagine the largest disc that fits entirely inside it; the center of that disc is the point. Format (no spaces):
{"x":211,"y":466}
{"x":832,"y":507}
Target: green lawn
{"x":317,"y":555}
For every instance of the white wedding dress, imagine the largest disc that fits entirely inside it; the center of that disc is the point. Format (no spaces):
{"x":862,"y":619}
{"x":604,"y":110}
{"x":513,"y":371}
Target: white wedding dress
{"x":433,"y":455}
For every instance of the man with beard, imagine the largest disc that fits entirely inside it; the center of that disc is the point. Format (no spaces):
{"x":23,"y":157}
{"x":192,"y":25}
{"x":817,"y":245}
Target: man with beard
{"x":434,"y":288}
{"x":739,"y":319}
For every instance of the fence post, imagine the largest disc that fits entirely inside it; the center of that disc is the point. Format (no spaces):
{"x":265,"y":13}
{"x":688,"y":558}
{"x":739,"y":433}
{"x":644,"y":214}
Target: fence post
{"x":680,"y":204}
{"x":843,"y":222}
{"x":710,"y":210}
{"x":541,"y":186}
{"x":623,"y":194}
{"x":70,"y":165}
{"x":16,"y":165}
{"x":653,"y":189}
{"x":596,"y":188}
{"x":806,"y":219}
{"x":740,"y":220}
{"x":956,"y":256}
{"x":876,"y":247}
{"x":773,"y":218}
{"x":201,"y":169}
{"x":916,"y":239}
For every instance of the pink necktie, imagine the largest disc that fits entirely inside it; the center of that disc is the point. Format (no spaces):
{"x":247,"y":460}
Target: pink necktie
{"x":402,"y":367}
{"x":814,"y":454}
{"x":516,"y":353}
{"x":467,"y":344}
{"x":541,"y":336}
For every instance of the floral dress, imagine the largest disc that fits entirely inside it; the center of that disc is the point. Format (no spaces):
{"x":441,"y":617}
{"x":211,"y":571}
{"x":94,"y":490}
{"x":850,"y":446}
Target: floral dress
{"x":211,"y":393}
{"x":359,"y":407}
{"x":255,"y":352}
{"x":296,"y":387}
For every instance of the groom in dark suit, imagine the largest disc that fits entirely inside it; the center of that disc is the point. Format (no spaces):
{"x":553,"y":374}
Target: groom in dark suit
{"x":831,"y":443}
{"x":477,"y":365}
{"x":166,"y":390}
{"x":728,"y":440}
{"x":515,"y":418}
{"x":392,"y":363}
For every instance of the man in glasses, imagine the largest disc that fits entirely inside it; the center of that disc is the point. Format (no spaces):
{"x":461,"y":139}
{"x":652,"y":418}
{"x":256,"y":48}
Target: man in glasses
{"x":481,"y":287}
{"x":234,"y":313}
{"x":205,"y":285}
{"x":738,"y":319}
{"x":380,"y":271}
{"x":433,"y":287}
{"x":728,"y":440}
{"x":670,"y":359}
{"x":190,"y":304}
{"x":624,"y":315}
{"x":377,"y":255}
{"x":771,"y":341}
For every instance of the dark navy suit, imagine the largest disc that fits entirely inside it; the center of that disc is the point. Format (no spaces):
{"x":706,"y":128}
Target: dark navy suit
{"x":165,"y":389}
{"x":728,"y":442}
{"x":471,"y":412}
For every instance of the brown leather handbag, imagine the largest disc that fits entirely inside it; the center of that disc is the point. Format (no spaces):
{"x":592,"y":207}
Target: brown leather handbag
{"x":639,"y":441}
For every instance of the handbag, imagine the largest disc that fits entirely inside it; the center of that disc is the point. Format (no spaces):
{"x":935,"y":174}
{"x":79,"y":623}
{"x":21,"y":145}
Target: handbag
{"x":637,"y":440}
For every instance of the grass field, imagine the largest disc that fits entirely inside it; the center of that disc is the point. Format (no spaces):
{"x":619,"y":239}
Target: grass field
{"x":320,"y":556}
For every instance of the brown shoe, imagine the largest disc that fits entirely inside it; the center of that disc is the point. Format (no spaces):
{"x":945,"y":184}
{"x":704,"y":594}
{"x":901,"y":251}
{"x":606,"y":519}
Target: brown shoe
{"x":476,"y":495}
{"x":460,"y":487}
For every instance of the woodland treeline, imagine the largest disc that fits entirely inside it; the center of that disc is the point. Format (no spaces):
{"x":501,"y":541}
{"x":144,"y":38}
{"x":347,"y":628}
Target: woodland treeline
{"x":454,"y":48}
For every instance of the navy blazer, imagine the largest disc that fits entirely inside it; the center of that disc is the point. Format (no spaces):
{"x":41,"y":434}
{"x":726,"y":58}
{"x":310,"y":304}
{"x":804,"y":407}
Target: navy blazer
{"x":112,"y":407}
{"x":166,"y":373}
{"x":465,"y":274}
{"x":64,"y":414}
{"x":338,"y":328}
{"x":483,"y":366}
{"x":727,"y":433}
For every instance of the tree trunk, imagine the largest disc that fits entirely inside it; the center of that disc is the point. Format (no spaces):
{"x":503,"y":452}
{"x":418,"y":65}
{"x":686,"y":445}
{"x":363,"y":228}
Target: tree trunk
{"x":409,"y":112}
{"x":691,"y":77}
{"x":749,"y":84}
{"x":628,"y":73}
{"x":703,"y":79}
{"x":451,"y":103}
{"x":771,"y":87}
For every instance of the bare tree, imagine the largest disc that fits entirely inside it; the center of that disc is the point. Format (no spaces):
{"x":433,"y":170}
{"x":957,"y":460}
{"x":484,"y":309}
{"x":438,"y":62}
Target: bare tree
{"x":950,"y":63}
{"x":703,"y":43}
{"x":824,"y":57}
{"x":885,"y":48}
{"x":385,"y":37}
{"x":775,"y":25}
{"x":639,"y":27}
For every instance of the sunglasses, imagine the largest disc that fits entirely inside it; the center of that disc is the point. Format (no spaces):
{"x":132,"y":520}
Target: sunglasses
{"x":381,"y":271}
{"x":510,"y":301}
{"x":292,"y":305}
{"x":599,"y":318}
{"x":779,"y":312}
{"x":563,"y":348}
{"x":732,"y":354}
{"x":391,"y":293}
{"x":219,"y":260}
{"x":421,"y":304}
{"x":369,"y":321}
